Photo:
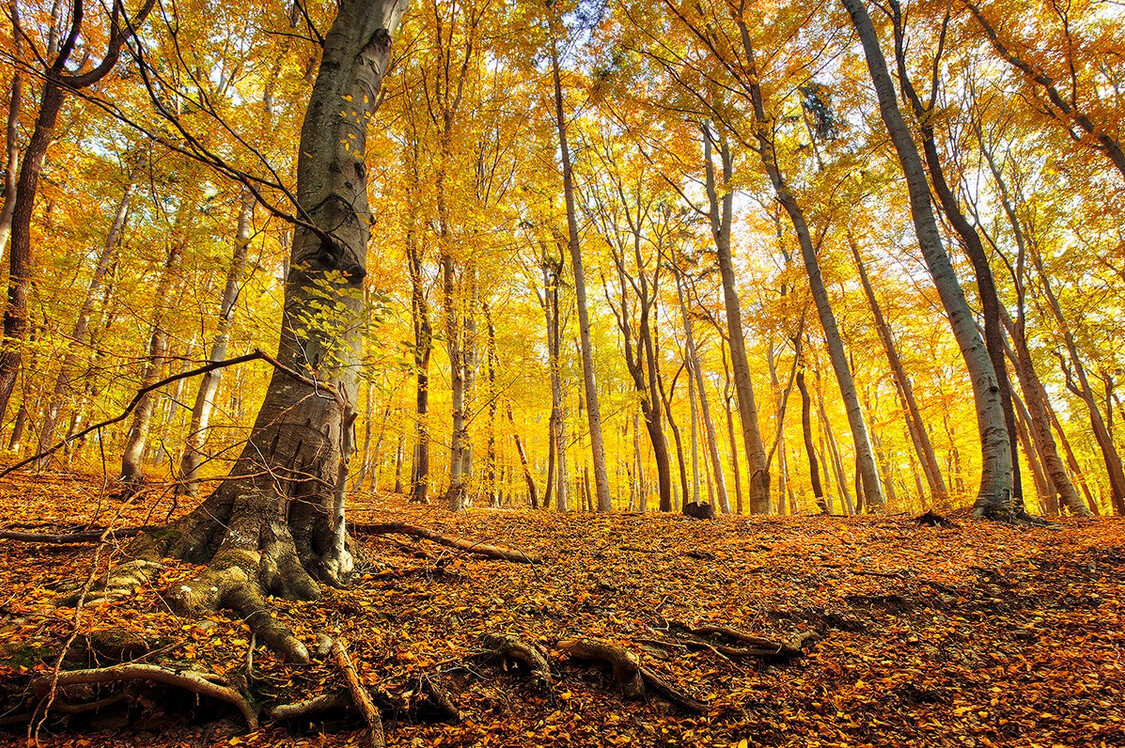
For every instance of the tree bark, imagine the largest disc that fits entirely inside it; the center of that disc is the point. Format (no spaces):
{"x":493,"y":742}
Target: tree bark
{"x":593,"y":409}
{"x":137,"y":438}
{"x":865,"y":454}
{"x":209,"y":385}
{"x":810,"y":448}
{"x":995,"y":492}
{"x":914,"y":423}
{"x":970,"y":241}
{"x":721,"y":208}
{"x":278,"y":521}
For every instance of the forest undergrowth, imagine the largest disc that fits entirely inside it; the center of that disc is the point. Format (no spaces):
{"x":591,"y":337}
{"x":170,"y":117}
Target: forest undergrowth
{"x":979,"y":634}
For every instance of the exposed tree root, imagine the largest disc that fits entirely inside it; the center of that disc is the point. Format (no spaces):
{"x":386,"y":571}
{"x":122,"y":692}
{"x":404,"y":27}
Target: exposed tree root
{"x":86,"y":536}
{"x":310,"y":708}
{"x":436,"y":702}
{"x":732,"y":642}
{"x":359,"y":694}
{"x":525,"y":657}
{"x":631,"y":676}
{"x":190,"y":680}
{"x":498,"y":552}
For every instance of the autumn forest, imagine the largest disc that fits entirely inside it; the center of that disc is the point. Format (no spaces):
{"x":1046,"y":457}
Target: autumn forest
{"x":299,"y":289}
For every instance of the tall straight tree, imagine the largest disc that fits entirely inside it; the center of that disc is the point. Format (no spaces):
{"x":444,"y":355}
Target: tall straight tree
{"x":589,"y":380}
{"x":721,"y":213}
{"x":995,"y":496}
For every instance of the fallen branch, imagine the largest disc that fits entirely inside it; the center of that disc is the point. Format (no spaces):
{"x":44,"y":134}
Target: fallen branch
{"x":187,"y":679}
{"x":499,"y":552}
{"x":360,"y":697}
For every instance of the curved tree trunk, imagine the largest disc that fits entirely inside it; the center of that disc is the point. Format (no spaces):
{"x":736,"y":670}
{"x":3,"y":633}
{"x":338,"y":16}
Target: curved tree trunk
{"x":995,"y":493}
{"x":865,"y":453}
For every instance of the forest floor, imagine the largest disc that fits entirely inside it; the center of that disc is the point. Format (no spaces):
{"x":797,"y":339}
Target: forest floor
{"x":977,"y":635}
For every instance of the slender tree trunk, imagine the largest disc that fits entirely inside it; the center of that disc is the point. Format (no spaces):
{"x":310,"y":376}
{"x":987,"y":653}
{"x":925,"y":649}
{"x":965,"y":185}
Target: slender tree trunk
{"x":695,"y":370}
{"x":56,"y":82}
{"x":11,"y":146}
{"x":996,"y":488}
{"x":1072,"y":462}
{"x":834,"y":452}
{"x":593,"y":409}
{"x":63,"y":382}
{"x":721,"y":215}
{"x":209,"y":385}
{"x":914,"y":422}
{"x":728,"y":396}
{"x":865,"y":455}
{"x":529,"y":479}
{"x":810,"y":448}
{"x":137,"y":437}
{"x":1044,"y":486}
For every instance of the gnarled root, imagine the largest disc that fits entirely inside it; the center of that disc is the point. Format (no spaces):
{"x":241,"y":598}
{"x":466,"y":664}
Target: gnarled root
{"x":525,"y":656}
{"x":190,"y":680}
{"x":631,"y":676}
{"x":732,"y":642}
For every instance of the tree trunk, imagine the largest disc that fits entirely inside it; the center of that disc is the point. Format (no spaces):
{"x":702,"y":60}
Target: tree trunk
{"x":11,"y":146}
{"x":209,"y":385}
{"x":593,"y":409}
{"x":995,"y":494}
{"x":914,"y":423}
{"x":810,"y":448}
{"x":728,"y":395}
{"x":278,"y":521}
{"x":137,"y":438}
{"x":865,"y":454}
{"x":970,"y":242}
{"x":56,"y":82}
{"x":721,"y":215}
{"x":63,"y":382}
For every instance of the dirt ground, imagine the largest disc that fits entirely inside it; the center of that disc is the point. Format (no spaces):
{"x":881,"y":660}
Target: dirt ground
{"x":976,"y":635}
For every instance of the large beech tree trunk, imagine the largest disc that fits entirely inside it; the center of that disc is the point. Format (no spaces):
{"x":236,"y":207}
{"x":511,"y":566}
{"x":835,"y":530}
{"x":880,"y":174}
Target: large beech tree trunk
{"x":277,"y":523}
{"x":995,"y":493}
